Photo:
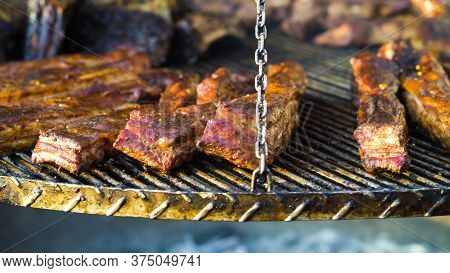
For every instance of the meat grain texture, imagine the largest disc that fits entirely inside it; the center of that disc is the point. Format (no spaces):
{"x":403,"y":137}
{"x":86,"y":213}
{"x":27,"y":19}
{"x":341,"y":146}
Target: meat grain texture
{"x":85,"y":142}
{"x":382,"y":130}
{"x":167,"y":139}
{"x":232,"y":133}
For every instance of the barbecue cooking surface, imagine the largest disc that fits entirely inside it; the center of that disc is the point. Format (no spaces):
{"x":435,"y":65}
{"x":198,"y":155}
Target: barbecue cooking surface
{"x":320,"y":176}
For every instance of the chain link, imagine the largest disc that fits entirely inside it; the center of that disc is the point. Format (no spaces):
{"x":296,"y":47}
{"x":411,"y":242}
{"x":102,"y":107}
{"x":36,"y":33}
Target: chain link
{"x":262,"y":173}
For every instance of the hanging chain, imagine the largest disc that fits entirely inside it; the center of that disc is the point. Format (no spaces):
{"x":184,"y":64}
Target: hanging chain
{"x":261,"y":175}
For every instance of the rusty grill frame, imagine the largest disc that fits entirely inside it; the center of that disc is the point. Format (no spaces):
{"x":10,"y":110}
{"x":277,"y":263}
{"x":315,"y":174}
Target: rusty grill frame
{"x":319,"y":177}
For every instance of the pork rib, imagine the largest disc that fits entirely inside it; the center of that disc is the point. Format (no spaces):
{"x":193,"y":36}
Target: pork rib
{"x":81,"y":143}
{"x":34,"y":82}
{"x":164,"y":141}
{"x":427,"y":96}
{"x":85,"y":142}
{"x":382,"y":131}
{"x":20,"y":127}
{"x":231,"y":134}
{"x":426,"y":88}
{"x":167,"y":139}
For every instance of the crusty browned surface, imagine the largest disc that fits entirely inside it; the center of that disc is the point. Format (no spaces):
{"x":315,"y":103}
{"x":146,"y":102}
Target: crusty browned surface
{"x":163,"y":140}
{"x":232,"y":133}
{"x":104,"y":25}
{"x":20,"y":126}
{"x":180,"y":94}
{"x":87,"y":141}
{"x":219,"y":86}
{"x":427,"y":96}
{"x":427,"y":33}
{"x":162,"y":78}
{"x":34,"y":82}
{"x":81,"y":143}
{"x":167,"y":139}
{"x":244,"y":10}
{"x":382,"y":131}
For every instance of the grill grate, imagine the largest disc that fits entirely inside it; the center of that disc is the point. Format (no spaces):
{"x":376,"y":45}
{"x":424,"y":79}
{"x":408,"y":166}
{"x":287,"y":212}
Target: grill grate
{"x":318,"y":177}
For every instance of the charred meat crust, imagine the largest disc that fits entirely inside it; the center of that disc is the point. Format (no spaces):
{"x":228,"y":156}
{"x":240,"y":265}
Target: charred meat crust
{"x":106,"y":25}
{"x":20,"y":127}
{"x":382,"y":131}
{"x":426,"y":88}
{"x":222,"y":86}
{"x":164,"y":141}
{"x":168,"y":138}
{"x":427,"y":97}
{"x":81,"y":143}
{"x":231,"y":134}
{"x":180,"y":94}
{"x":35,"y":82}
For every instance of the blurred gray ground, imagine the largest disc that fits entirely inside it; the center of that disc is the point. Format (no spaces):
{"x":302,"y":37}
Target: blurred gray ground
{"x":87,"y":233}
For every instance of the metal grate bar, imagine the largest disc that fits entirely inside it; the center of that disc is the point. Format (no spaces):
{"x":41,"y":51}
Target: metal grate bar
{"x":319,"y":176}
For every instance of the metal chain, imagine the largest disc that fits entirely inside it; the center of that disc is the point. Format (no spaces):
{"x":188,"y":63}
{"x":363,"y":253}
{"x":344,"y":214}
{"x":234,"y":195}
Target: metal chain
{"x":262,"y":173}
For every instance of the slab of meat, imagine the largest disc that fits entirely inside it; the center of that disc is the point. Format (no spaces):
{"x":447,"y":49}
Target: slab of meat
{"x":34,"y":82}
{"x":223,"y":85}
{"x":382,"y":131}
{"x":427,"y":96}
{"x":87,"y":141}
{"x":311,"y":21}
{"x":81,"y":143}
{"x":427,"y":88}
{"x":232,"y":133}
{"x":20,"y":126}
{"x":162,"y":140}
{"x":102,"y":26}
{"x":167,"y":139}
{"x":162,"y":78}
{"x":244,"y":10}
{"x":195,"y":33}
{"x":360,"y":32}
{"x":180,"y":94}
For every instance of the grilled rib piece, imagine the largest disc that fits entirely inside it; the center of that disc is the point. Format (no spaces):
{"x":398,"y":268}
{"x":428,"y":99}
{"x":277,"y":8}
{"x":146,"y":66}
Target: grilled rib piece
{"x":20,"y":126}
{"x":195,"y":33}
{"x":311,"y":21}
{"x":85,"y":142}
{"x":113,"y":24}
{"x":232,"y":134}
{"x":81,"y":143}
{"x":360,"y":31}
{"x":427,"y":97}
{"x":34,"y":82}
{"x":427,"y":88}
{"x":164,"y":141}
{"x":167,"y":139}
{"x":382,"y":131}
{"x":223,"y":85}
{"x":244,"y":10}
{"x":180,"y":94}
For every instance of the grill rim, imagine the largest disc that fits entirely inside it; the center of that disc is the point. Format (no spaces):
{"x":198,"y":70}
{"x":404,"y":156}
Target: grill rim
{"x":316,"y":186}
